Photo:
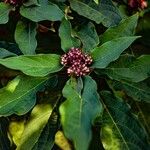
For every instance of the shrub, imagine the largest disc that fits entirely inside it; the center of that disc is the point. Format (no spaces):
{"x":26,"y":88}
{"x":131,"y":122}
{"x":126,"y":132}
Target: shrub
{"x":73,"y":69}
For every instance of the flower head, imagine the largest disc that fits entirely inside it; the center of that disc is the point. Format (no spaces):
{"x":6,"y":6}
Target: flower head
{"x":137,"y":4}
{"x":77,"y":62}
{"x":14,"y":2}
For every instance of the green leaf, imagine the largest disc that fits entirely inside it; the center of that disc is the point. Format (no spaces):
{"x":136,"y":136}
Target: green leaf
{"x":138,"y":91}
{"x":103,"y":12}
{"x":49,"y":12}
{"x":89,"y":37}
{"x":79,"y":111}
{"x":34,"y":126}
{"x":67,"y":39}
{"x":25,"y":37}
{"x":129,"y":68}
{"x":34,"y":65}
{"x":5,"y":53}
{"x":19,"y":96}
{"x":125,"y":28}
{"x":110,"y":51}
{"x":4,"y":12}
{"x":126,"y":128}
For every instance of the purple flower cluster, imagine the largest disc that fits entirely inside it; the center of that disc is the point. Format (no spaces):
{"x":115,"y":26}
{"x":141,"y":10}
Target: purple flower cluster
{"x":137,"y":3}
{"x":77,"y":62}
{"x":13,"y":2}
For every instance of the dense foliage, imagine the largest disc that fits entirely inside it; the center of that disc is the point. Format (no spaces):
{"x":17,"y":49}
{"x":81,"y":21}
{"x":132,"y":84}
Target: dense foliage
{"x":74,"y":75}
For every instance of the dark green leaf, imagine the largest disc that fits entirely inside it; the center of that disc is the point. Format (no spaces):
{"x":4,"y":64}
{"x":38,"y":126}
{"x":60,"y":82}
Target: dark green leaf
{"x":96,"y":143}
{"x":110,"y":51}
{"x":67,"y":39}
{"x":125,"y":28}
{"x":4,"y":53}
{"x":129,"y":68}
{"x":138,"y":91}
{"x":43,"y":12}
{"x":4,"y":141}
{"x":103,"y":12}
{"x":89,"y":37}
{"x":79,"y":111}
{"x":12,"y":47}
{"x":4,"y":12}
{"x":47,"y":137}
{"x":25,"y":37}
{"x":19,"y":96}
{"x":34,"y":65}
{"x":126,"y":128}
